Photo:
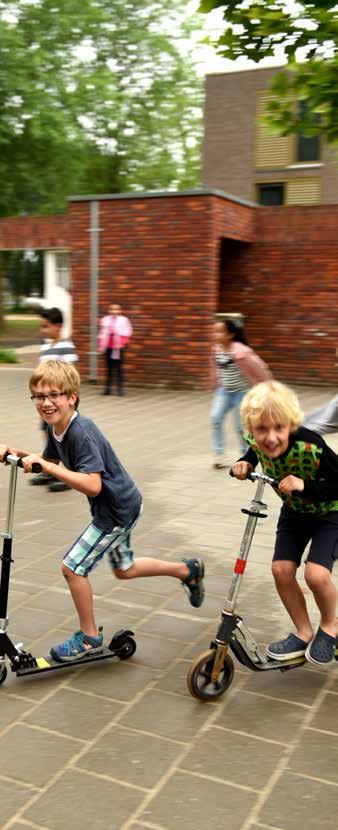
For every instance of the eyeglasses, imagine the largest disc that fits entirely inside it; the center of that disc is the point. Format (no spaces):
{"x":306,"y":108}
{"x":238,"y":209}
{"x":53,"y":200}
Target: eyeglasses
{"x":52,"y":396}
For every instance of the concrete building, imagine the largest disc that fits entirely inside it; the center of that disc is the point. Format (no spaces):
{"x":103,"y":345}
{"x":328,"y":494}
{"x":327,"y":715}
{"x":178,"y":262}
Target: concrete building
{"x":243,"y":157}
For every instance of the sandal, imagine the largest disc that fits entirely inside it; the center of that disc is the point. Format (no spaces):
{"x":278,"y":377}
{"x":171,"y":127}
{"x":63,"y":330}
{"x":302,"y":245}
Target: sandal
{"x":194,"y":582}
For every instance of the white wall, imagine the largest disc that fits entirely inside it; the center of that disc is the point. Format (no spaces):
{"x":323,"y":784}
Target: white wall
{"x":55,"y":294}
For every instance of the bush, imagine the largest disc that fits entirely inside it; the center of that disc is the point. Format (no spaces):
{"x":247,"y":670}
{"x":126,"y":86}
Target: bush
{"x":8,"y":356}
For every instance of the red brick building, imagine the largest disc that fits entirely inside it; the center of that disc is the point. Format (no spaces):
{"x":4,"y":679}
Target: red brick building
{"x":174,"y":260}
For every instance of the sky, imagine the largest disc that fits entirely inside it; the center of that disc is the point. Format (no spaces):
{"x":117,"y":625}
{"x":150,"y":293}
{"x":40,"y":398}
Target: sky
{"x":207,"y":59}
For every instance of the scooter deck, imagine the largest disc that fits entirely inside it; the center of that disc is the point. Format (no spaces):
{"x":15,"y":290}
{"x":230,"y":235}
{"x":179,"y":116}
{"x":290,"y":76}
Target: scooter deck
{"x":45,"y":664}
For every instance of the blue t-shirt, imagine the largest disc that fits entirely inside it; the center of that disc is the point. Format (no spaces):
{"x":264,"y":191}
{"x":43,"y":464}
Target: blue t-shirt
{"x":85,"y":449}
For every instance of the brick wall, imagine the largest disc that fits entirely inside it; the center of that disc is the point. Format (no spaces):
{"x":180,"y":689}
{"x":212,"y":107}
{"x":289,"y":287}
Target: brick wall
{"x":285,"y":284}
{"x":158,"y":259}
{"x":173,"y":260}
{"x":35,"y":232}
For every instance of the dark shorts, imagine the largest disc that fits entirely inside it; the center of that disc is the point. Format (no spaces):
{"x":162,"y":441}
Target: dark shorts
{"x":294,"y":532}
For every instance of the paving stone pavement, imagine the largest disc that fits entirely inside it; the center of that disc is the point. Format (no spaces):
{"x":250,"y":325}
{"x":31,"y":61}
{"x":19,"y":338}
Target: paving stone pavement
{"x":123,"y":745}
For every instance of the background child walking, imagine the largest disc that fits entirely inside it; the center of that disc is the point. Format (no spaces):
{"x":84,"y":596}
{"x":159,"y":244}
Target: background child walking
{"x":307,"y":471}
{"x":92,"y":467}
{"x":234,"y":368}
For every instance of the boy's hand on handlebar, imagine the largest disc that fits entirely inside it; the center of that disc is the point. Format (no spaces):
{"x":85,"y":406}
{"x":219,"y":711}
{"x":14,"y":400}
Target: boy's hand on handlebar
{"x":241,"y":469}
{"x":3,"y":450}
{"x":290,"y":483}
{"x":29,"y":460}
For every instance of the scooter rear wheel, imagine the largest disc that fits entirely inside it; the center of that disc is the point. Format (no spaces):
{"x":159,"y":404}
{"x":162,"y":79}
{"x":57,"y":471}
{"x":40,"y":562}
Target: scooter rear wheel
{"x":199,"y":680}
{"x":3,"y":675}
{"x":125,"y":649}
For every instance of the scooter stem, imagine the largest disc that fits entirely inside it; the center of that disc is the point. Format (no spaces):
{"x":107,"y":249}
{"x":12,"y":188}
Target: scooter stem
{"x":254,"y":514}
{"x":13,"y":461}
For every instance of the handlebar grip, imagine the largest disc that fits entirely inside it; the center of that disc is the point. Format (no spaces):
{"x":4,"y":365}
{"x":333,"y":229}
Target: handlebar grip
{"x":36,"y":468}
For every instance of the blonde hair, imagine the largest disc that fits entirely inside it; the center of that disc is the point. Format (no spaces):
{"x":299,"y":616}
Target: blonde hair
{"x":273,"y":400}
{"x":56,"y":373}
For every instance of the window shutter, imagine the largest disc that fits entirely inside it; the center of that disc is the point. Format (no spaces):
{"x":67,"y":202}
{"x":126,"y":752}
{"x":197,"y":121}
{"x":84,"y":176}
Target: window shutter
{"x":303,"y":192}
{"x":271,"y":150}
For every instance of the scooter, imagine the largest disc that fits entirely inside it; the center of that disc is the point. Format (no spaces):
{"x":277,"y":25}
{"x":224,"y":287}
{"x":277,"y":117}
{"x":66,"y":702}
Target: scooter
{"x":212,"y":673}
{"x":22,"y":663}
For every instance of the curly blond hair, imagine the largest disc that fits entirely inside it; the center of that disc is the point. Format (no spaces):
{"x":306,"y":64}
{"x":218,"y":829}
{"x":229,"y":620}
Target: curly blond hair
{"x":272,"y":400}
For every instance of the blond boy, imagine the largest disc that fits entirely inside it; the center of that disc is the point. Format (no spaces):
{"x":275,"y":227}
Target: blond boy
{"x":307,"y":471}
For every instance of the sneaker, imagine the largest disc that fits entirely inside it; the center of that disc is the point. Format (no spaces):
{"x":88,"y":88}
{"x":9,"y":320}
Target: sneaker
{"x":321,"y":650}
{"x":292,"y":646}
{"x":78,"y":645}
{"x":58,"y":487}
{"x":42,"y":478}
{"x":194,"y":582}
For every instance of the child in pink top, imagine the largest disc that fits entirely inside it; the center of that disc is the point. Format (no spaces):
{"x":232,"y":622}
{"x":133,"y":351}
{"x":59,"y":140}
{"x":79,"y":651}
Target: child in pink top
{"x":115,"y":332}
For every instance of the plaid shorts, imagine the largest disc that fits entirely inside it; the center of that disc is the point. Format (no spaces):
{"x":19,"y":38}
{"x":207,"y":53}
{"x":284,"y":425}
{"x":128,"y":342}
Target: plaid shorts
{"x":86,"y":553}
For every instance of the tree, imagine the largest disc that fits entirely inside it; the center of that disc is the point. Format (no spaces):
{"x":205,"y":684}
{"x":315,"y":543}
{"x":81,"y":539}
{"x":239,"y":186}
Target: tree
{"x":95,"y":96}
{"x":256,"y":28}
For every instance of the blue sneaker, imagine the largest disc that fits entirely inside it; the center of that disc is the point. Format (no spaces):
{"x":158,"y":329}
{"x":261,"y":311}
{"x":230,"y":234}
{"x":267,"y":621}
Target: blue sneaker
{"x":77,"y":646}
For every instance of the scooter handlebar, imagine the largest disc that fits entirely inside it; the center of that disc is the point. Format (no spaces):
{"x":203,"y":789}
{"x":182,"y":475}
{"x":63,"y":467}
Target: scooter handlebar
{"x":260,"y":477}
{"x":14,"y":459}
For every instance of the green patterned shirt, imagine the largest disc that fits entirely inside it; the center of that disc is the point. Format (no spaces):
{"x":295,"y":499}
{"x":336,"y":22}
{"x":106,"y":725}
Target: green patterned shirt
{"x":308,"y":458}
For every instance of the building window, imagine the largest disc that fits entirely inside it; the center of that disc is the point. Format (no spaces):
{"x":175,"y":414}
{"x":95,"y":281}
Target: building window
{"x":307,"y":147}
{"x":270,"y":193}
{"x":62,"y":270}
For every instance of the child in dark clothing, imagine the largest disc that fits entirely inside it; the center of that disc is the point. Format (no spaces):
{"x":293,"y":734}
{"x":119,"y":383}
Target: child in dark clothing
{"x":307,"y":471}
{"x":92,"y":468}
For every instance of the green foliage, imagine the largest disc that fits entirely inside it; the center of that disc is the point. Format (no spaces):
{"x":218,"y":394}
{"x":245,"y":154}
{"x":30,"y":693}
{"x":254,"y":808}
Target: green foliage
{"x":96,"y":96}
{"x":255,"y":29}
{"x":8,"y":356}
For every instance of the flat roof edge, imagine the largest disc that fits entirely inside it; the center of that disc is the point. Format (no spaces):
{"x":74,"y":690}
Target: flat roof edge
{"x":160,"y":194}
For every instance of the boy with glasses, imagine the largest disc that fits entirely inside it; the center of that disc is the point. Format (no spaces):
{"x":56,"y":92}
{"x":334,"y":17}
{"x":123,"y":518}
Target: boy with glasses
{"x":92,"y":467}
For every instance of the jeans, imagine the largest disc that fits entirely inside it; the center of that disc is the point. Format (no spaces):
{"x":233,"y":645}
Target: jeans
{"x":222,"y":403}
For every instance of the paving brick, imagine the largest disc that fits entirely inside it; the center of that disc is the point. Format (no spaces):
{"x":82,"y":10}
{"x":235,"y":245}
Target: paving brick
{"x":196,"y":803}
{"x":34,"y":755}
{"x":82,"y":801}
{"x":131,"y":756}
{"x":296,"y":802}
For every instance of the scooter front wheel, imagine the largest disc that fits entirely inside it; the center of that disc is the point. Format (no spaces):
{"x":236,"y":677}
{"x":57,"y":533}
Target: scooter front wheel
{"x":3,"y":675}
{"x":199,"y":680}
